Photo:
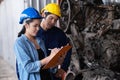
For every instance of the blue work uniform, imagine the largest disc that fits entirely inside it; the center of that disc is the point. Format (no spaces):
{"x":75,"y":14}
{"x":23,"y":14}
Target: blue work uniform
{"x":27,"y":58}
{"x":53,"y":38}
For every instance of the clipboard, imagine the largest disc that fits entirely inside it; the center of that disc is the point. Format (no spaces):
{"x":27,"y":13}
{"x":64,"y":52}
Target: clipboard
{"x":54,"y":61}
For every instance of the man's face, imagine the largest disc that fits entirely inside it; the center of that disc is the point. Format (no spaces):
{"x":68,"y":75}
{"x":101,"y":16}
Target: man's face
{"x":50,"y":21}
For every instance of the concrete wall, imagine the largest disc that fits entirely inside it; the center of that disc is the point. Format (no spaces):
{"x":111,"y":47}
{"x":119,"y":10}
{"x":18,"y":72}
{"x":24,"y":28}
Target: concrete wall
{"x":9,"y":27}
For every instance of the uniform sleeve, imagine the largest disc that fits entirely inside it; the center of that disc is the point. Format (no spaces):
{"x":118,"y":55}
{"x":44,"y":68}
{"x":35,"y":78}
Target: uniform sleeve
{"x":64,"y":40}
{"x":24,"y":59}
{"x":67,"y":59}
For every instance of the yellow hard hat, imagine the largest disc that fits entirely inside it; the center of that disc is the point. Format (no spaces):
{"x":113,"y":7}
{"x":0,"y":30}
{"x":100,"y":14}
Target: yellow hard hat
{"x":52,"y":8}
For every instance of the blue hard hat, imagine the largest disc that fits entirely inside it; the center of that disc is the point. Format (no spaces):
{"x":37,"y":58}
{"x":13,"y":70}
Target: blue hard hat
{"x":30,"y":13}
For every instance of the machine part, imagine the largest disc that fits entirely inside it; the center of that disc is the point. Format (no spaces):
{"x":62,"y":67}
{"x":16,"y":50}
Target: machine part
{"x":70,"y":76}
{"x":94,"y":32}
{"x":66,"y":14}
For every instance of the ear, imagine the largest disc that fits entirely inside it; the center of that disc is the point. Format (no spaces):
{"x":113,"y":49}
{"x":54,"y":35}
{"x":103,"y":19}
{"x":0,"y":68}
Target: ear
{"x":26,"y":26}
{"x":43,"y":14}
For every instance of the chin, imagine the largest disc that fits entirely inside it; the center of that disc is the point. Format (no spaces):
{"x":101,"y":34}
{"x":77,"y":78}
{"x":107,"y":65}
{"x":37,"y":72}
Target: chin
{"x":49,"y":27}
{"x":34,"y":34}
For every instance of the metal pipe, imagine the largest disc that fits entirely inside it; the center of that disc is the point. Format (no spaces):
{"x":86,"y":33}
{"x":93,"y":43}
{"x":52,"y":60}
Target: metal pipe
{"x":38,"y":5}
{"x":45,"y":2}
{"x":69,"y":76}
{"x":30,"y":3}
{"x":25,"y":4}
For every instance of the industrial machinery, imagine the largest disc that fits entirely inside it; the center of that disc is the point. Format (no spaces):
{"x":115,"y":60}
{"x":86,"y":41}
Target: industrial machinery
{"x":93,"y":27}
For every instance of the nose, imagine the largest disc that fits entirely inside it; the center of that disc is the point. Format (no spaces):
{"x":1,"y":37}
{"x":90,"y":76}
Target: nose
{"x":53,"y":21}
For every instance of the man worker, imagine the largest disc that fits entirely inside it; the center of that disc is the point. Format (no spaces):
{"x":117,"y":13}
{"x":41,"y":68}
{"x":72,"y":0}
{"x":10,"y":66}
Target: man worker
{"x":53,"y":36}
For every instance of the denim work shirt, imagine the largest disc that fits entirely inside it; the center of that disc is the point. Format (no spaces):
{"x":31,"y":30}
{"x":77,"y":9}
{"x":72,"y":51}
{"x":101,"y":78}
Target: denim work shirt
{"x":27,"y":58}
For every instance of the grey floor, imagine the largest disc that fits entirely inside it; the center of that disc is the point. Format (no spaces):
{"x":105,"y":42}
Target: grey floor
{"x":6,"y":71}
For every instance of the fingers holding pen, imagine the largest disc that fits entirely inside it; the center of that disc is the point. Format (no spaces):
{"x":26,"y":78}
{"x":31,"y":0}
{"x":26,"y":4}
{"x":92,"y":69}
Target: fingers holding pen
{"x":54,"y":51}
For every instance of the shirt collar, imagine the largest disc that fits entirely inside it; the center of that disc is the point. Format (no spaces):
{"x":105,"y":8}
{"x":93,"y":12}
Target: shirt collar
{"x":23,"y":35}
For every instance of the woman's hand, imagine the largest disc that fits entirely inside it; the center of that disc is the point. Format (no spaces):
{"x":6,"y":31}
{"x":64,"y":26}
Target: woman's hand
{"x":54,"y":52}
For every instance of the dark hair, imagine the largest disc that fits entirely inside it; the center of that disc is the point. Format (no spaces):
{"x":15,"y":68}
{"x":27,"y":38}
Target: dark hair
{"x":47,"y":13}
{"x":24,"y":29}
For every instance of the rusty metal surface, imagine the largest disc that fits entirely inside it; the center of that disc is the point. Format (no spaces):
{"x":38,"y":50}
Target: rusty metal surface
{"x":93,"y":28}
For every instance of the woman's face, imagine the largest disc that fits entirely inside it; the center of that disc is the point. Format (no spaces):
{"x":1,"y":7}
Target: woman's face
{"x":33,"y":27}
{"x":50,"y":21}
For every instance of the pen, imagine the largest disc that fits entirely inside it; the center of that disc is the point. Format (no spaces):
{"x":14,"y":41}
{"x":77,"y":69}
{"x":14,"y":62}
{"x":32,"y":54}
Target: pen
{"x":49,"y":49}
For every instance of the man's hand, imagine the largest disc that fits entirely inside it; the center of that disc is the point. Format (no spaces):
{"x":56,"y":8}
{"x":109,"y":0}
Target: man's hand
{"x":60,"y":73}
